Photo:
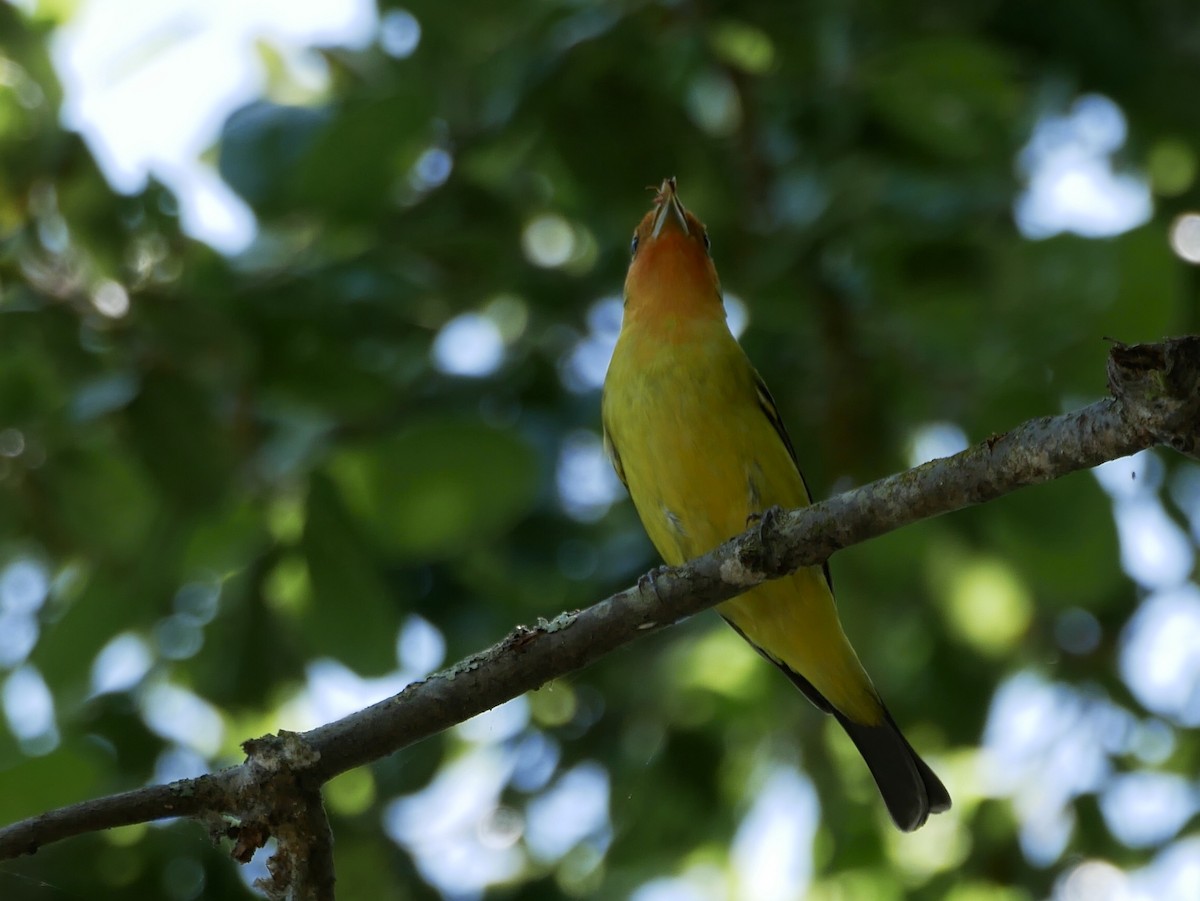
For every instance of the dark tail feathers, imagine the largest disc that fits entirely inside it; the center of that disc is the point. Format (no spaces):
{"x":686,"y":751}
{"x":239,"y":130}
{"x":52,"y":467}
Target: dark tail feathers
{"x":909,"y":787}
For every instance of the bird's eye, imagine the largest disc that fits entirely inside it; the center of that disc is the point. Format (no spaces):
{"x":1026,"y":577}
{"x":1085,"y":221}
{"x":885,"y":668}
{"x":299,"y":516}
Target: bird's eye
{"x":633,"y":245}
{"x":707,"y":243}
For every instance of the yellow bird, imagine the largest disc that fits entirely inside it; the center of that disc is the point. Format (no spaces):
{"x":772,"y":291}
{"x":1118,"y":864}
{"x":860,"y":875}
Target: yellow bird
{"x":695,"y":436}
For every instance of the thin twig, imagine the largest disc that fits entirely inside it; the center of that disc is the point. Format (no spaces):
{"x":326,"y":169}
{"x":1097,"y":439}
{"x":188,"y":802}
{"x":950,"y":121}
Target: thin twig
{"x":185,"y":798}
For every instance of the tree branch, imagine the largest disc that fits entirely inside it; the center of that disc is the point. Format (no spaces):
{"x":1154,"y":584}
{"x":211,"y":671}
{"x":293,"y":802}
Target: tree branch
{"x":1156,"y":400}
{"x":288,"y":806}
{"x":185,"y":798}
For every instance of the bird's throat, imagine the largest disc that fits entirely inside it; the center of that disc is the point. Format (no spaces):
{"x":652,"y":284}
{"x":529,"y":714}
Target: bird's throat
{"x":669,"y":288}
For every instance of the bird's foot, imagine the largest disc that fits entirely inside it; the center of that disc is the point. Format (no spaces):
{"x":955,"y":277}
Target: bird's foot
{"x":645,"y":582}
{"x":766,"y":521}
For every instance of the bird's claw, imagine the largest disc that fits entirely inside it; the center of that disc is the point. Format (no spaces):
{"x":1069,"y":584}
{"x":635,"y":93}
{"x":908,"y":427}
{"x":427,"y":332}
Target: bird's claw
{"x":646,"y":581}
{"x":765,"y":519}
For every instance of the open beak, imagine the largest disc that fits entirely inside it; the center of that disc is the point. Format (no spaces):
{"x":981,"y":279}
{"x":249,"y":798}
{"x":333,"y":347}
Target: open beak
{"x":669,"y":208}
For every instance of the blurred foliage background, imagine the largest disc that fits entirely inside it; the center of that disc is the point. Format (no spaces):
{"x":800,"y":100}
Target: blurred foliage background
{"x":257,"y":487}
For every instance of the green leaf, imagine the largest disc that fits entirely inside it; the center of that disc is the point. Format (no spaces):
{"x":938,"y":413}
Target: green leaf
{"x":72,"y":773}
{"x":1063,"y":536}
{"x":438,"y":487}
{"x":953,"y":96}
{"x":258,"y":131}
{"x":176,"y":434}
{"x":102,"y":500}
{"x":1150,"y":290}
{"x":357,"y":164}
{"x":353,"y":616}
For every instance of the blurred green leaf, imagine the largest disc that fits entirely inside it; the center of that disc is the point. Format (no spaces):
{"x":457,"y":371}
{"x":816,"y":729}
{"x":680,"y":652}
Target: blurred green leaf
{"x":102,"y":501}
{"x":438,"y":486}
{"x":72,"y":773}
{"x":1151,"y":297}
{"x":952,"y":96}
{"x":282,"y":134}
{"x":175,"y":433}
{"x":353,"y":616}
{"x":1062,"y":536}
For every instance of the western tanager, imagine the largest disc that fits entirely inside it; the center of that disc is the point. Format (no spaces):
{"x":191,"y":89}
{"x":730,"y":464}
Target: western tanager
{"x":695,"y":436}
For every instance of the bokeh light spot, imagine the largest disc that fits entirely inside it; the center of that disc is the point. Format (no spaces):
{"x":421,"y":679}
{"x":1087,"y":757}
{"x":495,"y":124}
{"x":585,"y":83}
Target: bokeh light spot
{"x":584,"y":367}
{"x":744,"y":46}
{"x":1160,"y":654}
{"x":183,"y":879}
{"x":178,"y":637}
{"x":536,"y":760}
{"x":737,"y":316}
{"x":441,"y":825}
{"x":129,"y":72}
{"x":1152,"y":742}
{"x":1093,"y":880}
{"x":1185,"y":237}
{"x":24,"y":585}
{"x":587,"y":485}
{"x":179,"y":715}
{"x":1077,"y":631}
{"x":772,"y":849}
{"x":18,"y":637}
{"x":510,"y":313}
{"x":1045,"y":743}
{"x":573,"y":809}
{"x":121,"y":664}
{"x":1172,"y":167}
{"x":988,"y":605}
{"x":29,"y":709}
{"x":431,"y":169}
{"x":1155,"y":551}
{"x":720,"y":662}
{"x":420,"y":647}
{"x":469,"y":345}
{"x":498,"y":724}
{"x":548,"y":241}
{"x":935,"y":440}
{"x":12,"y":443}
{"x":111,"y":299}
{"x":351,"y":793}
{"x":399,"y":33}
{"x":714,"y":104}
{"x":1145,"y":809}
{"x":1072,"y":184}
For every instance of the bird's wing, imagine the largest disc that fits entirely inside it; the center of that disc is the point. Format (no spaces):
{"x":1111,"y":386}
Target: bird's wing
{"x":766,"y":403}
{"x":610,"y":449}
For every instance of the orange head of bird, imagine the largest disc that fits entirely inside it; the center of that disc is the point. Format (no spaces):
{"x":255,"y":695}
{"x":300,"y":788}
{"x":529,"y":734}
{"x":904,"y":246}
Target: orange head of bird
{"x":671,"y":270}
